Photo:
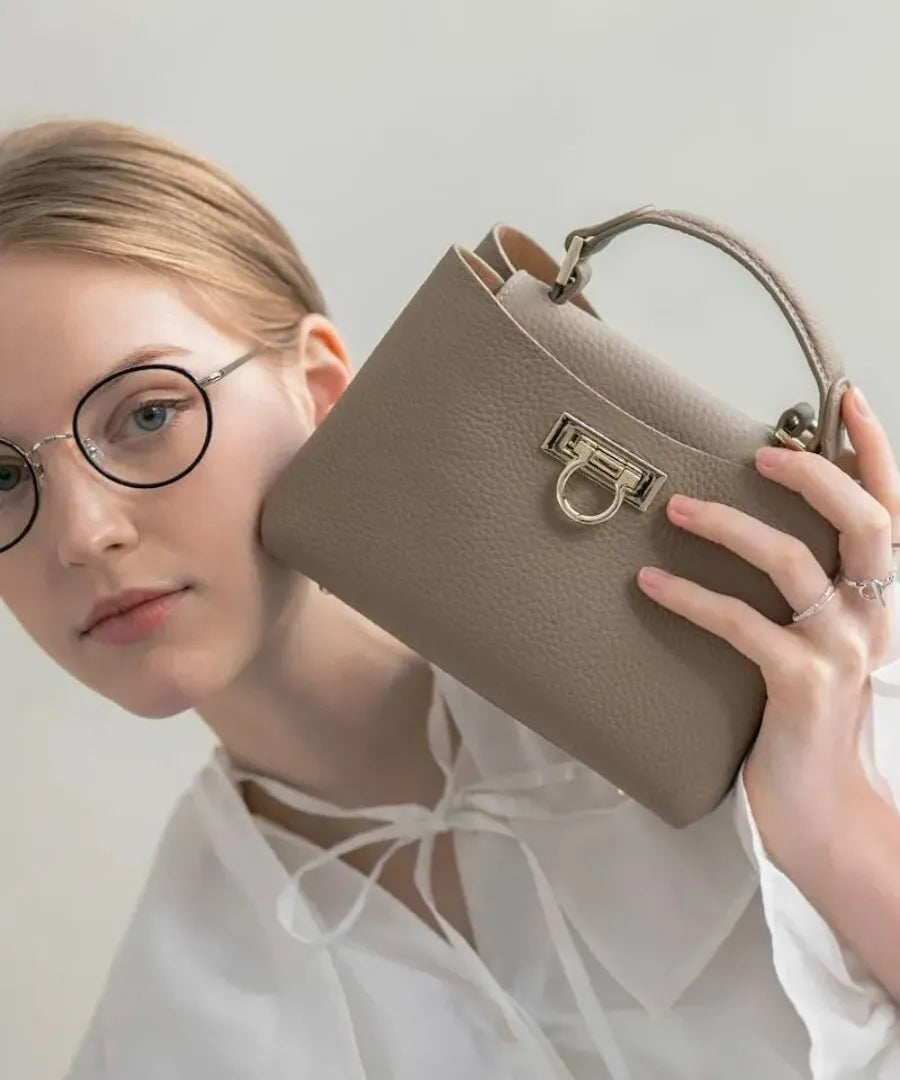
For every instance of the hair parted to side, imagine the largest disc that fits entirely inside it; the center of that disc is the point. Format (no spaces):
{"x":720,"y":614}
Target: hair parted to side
{"x":115,"y":191}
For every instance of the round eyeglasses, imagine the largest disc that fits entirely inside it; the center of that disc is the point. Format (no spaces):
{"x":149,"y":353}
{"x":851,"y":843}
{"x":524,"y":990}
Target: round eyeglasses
{"x":144,"y":427}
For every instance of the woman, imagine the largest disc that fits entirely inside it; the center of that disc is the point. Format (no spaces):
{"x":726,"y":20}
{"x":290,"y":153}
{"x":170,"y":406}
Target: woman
{"x":533,"y":923}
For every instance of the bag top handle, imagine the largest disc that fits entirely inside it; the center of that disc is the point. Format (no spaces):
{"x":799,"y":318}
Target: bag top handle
{"x":828,"y":372}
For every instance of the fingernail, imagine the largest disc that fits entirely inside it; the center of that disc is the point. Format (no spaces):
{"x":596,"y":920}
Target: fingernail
{"x":652,"y":575}
{"x":767,"y":457}
{"x":683,"y":504}
{"x":862,"y":406}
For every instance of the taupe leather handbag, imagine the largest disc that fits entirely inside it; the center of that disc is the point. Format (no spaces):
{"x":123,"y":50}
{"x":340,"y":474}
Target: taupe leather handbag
{"x":497,"y":472}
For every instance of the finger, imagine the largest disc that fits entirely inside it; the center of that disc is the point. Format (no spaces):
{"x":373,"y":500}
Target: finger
{"x":771,"y":647}
{"x":848,"y":462}
{"x":793,"y":568}
{"x":876,"y":462}
{"x":863,"y":522}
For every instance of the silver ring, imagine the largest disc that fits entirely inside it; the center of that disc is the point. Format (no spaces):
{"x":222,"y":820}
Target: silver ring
{"x":876,"y":586}
{"x":868,"y":589}
{"x":826,"y":598}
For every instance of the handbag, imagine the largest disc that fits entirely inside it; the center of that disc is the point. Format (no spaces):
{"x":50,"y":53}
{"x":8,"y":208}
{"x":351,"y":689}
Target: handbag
{"x":496,"y":473}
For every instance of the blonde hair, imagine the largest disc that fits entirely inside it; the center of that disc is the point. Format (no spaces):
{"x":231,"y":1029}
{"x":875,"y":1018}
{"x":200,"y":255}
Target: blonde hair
{"x":114,"y":191}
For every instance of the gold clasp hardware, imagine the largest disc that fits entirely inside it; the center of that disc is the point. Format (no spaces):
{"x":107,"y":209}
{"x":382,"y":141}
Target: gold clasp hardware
{"x":796,"y":427}
{"x":583,"y":449}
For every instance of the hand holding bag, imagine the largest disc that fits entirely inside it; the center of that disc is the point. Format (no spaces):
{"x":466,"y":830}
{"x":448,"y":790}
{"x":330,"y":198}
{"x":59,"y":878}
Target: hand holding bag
{"x":497,"y":472}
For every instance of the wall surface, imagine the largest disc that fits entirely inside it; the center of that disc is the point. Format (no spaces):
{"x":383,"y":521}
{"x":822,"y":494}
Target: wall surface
{"x":380,"y":133}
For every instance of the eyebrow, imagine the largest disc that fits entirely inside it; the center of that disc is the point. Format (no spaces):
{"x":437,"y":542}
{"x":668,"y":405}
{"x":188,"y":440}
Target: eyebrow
{"x":139,"y":357}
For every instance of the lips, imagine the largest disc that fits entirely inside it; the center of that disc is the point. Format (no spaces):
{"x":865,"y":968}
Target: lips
{"x":120,"y":603}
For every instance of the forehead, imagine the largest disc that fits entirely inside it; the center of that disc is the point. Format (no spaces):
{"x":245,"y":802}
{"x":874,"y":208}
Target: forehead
{"x":65,"y":319}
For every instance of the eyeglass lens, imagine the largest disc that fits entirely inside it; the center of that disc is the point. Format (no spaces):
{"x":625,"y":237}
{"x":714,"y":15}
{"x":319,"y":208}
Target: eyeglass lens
{"x":143,"y":428}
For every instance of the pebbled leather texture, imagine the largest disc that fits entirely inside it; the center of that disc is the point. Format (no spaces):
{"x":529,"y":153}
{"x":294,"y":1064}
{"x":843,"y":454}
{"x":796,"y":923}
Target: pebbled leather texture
{"x":425,"y":502}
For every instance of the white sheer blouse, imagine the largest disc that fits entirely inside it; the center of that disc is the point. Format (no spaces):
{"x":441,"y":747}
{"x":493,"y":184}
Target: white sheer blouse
{"x":609,"y":945}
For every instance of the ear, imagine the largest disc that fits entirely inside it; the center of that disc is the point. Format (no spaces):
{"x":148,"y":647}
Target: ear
{"x":325,"y":364}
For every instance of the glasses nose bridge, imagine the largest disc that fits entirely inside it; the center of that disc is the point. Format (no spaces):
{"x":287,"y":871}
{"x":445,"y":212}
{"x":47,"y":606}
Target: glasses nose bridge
{"x":35,"y":454}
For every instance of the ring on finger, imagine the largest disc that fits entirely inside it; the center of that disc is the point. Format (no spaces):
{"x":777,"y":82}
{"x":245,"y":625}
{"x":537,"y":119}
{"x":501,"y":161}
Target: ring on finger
{"x":876,"y":586}
{"x":826,"y":598}
{"x":876,"y":589}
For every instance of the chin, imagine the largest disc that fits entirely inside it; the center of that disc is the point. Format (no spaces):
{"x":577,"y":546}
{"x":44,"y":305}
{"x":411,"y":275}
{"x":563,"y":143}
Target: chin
{"x":153,"y":710}
{"x":155,"y":698}
{"x":171,"y":682}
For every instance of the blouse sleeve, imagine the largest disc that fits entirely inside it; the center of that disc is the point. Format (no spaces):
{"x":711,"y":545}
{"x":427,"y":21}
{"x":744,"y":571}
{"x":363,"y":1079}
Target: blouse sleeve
{"x":853,"y":1023}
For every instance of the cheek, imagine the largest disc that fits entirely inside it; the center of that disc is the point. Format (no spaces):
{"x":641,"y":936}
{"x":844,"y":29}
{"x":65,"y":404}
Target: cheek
{"x":45,"y":616}
{"x":27,"y":599}
{"x":205,"y":530}
{"x":229,"y":486}
{"x":214,"y":521}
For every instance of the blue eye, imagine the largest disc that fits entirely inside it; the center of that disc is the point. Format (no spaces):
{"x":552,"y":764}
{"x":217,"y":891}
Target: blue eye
{"x":151,"y":417}
{"x":10,"y":476}
{"x":153,"y":414}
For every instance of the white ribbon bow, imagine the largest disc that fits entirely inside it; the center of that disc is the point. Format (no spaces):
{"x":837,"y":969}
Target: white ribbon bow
{"x":481,"y":807}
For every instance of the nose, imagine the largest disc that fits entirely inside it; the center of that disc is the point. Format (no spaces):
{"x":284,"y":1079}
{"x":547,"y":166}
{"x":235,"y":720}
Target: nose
{"x":84,"y":514}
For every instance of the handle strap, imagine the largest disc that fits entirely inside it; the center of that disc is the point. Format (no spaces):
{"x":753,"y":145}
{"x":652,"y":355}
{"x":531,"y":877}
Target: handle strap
{"x":828,"y":372}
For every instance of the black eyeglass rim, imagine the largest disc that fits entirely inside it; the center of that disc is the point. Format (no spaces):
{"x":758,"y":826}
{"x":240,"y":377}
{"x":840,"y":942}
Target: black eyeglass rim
{"x":123,"y":483}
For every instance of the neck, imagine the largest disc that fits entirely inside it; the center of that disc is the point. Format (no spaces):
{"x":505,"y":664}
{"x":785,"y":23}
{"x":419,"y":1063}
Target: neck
{"x":334,"y":706}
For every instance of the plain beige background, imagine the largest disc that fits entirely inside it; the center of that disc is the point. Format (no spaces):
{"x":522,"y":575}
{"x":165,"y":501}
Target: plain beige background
{"x":381,"y":133}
